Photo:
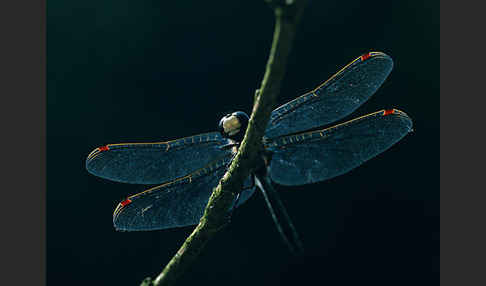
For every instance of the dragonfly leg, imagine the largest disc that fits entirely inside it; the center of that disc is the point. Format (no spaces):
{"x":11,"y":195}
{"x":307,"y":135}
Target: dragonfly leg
{"x":236,"y":200}
{"x":265,"y":185}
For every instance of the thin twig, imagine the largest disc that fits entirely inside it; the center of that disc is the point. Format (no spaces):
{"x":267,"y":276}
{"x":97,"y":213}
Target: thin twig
{"x":287,"y":14}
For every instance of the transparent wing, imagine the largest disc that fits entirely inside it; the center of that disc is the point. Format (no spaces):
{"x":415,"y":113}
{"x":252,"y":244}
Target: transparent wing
{"x":340,"y":95}
{"x":156,"y":163}
{"x":323,"y":154}
{"x":176,"y":204}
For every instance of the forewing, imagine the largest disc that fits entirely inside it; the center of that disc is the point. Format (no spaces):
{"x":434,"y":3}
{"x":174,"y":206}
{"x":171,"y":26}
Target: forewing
{"x":156,"y":163}
{"x":340,"y":95}
{"x":176,"y":204}
{"x":319,"y":155}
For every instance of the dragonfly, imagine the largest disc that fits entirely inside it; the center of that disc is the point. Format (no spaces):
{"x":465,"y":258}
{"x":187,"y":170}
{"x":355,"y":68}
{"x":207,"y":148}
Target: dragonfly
{"x":298,"y":149}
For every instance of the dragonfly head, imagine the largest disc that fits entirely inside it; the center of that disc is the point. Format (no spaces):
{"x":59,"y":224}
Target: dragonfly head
{"x":233,"y":126}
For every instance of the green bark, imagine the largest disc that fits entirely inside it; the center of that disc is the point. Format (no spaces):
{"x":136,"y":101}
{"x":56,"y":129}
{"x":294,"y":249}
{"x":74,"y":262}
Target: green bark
{"x":287,"y":15}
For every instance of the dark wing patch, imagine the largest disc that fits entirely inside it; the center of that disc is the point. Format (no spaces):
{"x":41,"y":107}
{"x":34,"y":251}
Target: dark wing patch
{"x":323,"y":154}
{"x":336,"y":98}
{"x":176,"y":204}
{"x":156,"y":163}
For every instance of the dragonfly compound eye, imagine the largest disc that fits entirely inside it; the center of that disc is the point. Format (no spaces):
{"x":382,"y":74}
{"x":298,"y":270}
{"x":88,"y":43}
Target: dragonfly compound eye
{"x":233,"y":125}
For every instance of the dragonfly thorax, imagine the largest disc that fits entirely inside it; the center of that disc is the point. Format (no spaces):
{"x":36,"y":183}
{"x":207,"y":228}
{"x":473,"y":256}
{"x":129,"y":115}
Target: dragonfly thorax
{"x":233,"y":126}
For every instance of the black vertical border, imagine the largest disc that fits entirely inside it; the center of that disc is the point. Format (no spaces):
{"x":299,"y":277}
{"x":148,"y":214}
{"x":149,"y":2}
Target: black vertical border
{"x":462,"y":145}
{"x":23,"y":120}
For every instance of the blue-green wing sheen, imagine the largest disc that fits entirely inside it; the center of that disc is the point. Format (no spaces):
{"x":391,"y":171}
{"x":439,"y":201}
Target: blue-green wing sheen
{"x":176,"y":204}
{"x":336,"y":98}
{"x":323,"y":154}
{"x":156,"y":163}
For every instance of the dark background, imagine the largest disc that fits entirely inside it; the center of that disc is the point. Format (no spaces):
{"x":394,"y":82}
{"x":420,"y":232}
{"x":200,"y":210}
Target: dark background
{"x":149,"y":71}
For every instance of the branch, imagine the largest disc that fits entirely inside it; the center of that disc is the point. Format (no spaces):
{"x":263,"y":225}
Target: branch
{"x":216,"y":214}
